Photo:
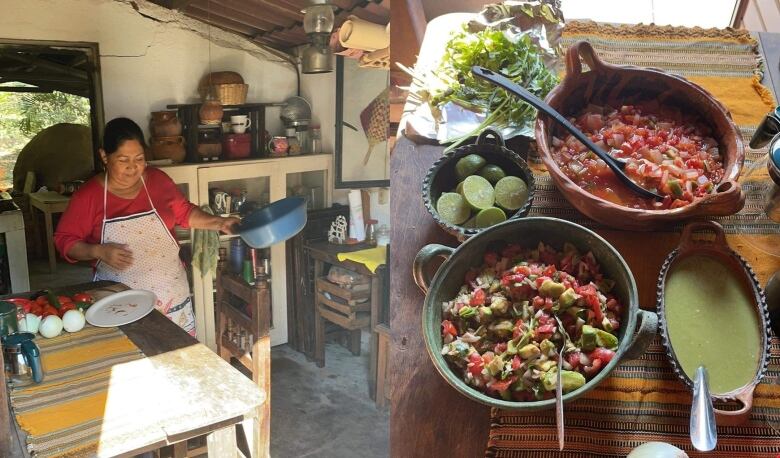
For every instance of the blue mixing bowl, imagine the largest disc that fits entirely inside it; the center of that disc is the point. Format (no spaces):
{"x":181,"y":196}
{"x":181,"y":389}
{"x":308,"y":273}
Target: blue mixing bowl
{"x":273,"y":223}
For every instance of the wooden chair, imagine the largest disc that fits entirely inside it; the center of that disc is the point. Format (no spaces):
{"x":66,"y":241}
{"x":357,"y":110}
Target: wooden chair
{"x":349,"y":309}
{"x":243,"y":324}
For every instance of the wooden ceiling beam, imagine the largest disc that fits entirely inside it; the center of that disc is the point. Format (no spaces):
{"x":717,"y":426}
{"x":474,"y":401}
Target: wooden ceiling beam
{"x":24,"y":89}
{"x":232,"y":10}
{"x":48,"y":65}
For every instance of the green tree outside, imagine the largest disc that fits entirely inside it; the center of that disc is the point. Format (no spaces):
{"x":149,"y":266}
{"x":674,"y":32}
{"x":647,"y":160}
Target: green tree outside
{"x":23,"y":115}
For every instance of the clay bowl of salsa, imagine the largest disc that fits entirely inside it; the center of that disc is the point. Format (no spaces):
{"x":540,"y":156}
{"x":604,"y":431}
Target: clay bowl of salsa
{"x":713,"y":313}
{"x":676,"y":139}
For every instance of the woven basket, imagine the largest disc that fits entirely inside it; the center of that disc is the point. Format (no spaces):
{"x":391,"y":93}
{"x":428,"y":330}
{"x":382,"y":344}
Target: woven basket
{"x":230,"y":94}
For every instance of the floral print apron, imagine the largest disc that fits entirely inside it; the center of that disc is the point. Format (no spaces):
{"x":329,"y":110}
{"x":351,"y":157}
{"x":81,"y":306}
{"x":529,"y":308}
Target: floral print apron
{"x":156,"y":265}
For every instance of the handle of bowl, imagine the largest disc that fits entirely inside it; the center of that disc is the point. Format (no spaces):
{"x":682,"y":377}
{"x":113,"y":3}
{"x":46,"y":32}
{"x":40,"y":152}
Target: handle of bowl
{"x":423,"y":258}
{"x":687,"y":240}
{"x":583,"y":50}
{"x":727,"y":200}
{"x":487,"y":133}
{"x":737,"y":417}
{"x":648,"y":327}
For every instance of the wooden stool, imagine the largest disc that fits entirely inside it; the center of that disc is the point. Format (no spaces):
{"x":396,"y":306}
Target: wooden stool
{"x":243,"y":324}
{"x":349,"y":309}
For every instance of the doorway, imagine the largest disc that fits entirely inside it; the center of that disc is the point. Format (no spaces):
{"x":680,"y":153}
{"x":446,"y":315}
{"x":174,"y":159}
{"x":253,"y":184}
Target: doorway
{"x":44,"y":83}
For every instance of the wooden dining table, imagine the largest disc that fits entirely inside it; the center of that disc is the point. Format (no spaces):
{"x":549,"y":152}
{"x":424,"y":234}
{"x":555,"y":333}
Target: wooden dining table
{"x":428,"y":417}
{"x":195,"y":393}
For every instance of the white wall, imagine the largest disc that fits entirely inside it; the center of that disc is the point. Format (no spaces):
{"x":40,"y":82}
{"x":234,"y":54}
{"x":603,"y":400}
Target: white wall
{"x":149,"y":58}
{"x":320,"y":91}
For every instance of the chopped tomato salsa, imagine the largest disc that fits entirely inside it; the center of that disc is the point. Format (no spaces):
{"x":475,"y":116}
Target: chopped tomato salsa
{"x":669,"y":153}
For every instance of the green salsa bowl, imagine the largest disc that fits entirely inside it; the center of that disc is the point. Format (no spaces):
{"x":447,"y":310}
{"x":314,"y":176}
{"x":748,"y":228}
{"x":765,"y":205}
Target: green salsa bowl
{"x":528,"y":232}
{"x":713,"y":314}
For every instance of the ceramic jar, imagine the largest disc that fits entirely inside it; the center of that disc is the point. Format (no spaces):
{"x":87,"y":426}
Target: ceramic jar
{"x":165,"y":124}
{"x":168,"y":148}
{"x":210,"y":112}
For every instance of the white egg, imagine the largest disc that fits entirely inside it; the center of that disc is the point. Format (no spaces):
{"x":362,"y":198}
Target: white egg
{"x":73,"y":320}
{"x":51,"y":326}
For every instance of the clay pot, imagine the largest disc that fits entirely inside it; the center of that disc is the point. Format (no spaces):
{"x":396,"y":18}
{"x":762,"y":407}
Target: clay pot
{"x":168,"y":148}
{"x":165,"y":124}
{"x":613,"y":85}
{"x":210,"y":112}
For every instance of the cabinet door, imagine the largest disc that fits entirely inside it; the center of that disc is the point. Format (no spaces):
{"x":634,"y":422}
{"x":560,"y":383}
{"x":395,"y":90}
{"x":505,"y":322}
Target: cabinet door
{"x":255,"y":179}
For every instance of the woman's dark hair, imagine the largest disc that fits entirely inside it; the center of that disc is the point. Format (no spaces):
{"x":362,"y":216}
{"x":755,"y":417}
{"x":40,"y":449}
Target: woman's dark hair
{"x":118,"y":131}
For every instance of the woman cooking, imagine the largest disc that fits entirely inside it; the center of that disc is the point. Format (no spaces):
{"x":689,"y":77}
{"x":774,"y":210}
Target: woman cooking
{"x":122,"y":220}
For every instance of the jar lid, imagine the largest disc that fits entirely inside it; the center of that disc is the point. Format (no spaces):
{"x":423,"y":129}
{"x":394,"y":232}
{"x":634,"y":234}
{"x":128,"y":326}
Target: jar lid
{"x":13,"y":340}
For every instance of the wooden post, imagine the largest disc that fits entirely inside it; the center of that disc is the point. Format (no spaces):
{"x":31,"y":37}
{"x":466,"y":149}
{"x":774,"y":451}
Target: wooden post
{"x":261,"y":365}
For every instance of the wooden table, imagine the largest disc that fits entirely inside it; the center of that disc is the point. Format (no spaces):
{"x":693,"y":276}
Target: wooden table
{"x":186,"y":390}
{"x":48,"y":203}
{"x":428,"y":416}
{"x":326,"y":253}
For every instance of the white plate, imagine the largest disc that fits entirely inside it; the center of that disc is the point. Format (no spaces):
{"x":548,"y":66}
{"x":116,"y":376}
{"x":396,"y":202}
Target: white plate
{"x":121,"y":308}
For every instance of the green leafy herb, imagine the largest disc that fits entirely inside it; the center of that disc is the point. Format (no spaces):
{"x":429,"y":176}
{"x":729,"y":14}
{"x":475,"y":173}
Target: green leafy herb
{"x":515,"y":56}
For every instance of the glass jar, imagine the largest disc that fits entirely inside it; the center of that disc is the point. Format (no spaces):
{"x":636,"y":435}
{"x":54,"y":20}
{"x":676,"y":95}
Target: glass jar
{"x":371,"y":232}
{"x":294,"y":146}
{"x":315,"y":140}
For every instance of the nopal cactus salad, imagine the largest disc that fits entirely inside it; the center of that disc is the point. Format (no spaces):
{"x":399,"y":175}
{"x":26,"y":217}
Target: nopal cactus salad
{"x":501,"y":333}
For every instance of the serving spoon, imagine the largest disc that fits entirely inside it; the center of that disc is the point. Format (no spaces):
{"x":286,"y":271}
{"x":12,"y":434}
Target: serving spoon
{"x":616,"y":165}
{"x":704,"y":433}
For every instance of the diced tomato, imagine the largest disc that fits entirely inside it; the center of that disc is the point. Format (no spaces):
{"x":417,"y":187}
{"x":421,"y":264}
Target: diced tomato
{"x":518,"y":330}
{"x":573,"y":358}
{"x":516,"y":363}
{"x":478,"y":298}
{"x":549,"y":271}
{"x":491,"y":258}
{"x":475,"y":364}
{"x":500,"y":348}
{"x":593,"y":369}
{"x":448,"y":328}
{"x":603,"y":354}
{"x":502,"y":385}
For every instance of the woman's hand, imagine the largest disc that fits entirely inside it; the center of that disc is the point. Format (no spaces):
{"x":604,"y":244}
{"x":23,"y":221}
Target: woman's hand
{"x":227,"y":225}
{"x":115,"y":255}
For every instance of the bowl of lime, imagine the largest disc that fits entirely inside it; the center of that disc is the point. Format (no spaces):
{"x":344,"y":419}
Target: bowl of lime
{"x":476,"y":186}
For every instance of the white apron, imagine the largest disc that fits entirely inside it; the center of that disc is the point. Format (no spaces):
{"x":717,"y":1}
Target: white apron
{"x":156,"y":265}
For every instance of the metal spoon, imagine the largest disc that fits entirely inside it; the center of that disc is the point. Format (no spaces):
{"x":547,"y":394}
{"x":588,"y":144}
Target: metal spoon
{"x":559,"y":386}
{"x":616,"y":165}
{"x":704,"y":433}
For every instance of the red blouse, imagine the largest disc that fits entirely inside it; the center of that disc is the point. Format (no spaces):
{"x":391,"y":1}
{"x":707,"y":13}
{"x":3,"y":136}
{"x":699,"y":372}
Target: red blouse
{"x":83,"y":219}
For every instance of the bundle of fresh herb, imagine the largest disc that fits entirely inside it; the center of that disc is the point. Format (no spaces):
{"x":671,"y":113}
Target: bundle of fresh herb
{"x":513,"y":55}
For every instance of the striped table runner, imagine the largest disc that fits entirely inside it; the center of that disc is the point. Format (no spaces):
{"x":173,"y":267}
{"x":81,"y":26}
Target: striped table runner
{"x":62,"y":416}
{"x":643,"y":401}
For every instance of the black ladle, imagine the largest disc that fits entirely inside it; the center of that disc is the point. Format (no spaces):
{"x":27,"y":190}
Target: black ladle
{"x":616,"y":165}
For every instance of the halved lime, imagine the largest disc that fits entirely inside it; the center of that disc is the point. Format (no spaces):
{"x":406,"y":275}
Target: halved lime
{"x":511,"y":193}
{"x":478,"y":192}
{"x":489,"y":217}
{"x":452,"y":208}
{"x":459,"y":188}
{"x":471,"y":223}
{"x":468,"y":165}
{"x":492,"y":173}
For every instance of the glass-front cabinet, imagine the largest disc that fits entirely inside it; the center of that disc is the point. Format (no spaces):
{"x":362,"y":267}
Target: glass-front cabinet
{"x":230,"y":187}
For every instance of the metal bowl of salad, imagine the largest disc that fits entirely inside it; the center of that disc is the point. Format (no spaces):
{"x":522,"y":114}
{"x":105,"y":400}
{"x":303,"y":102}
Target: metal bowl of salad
{"x":501,"y":306}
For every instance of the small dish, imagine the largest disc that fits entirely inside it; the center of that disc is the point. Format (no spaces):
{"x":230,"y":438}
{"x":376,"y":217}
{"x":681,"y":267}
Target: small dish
{"x":441,"y":178}
{"x":121,"y":308}
{"x":744,"y":329}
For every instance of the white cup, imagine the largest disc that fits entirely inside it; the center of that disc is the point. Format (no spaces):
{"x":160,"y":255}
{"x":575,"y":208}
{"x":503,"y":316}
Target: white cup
{"x":240,"y":123}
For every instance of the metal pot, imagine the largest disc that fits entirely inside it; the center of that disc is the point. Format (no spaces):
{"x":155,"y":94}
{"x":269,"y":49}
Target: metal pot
{"x":528,"y":232}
